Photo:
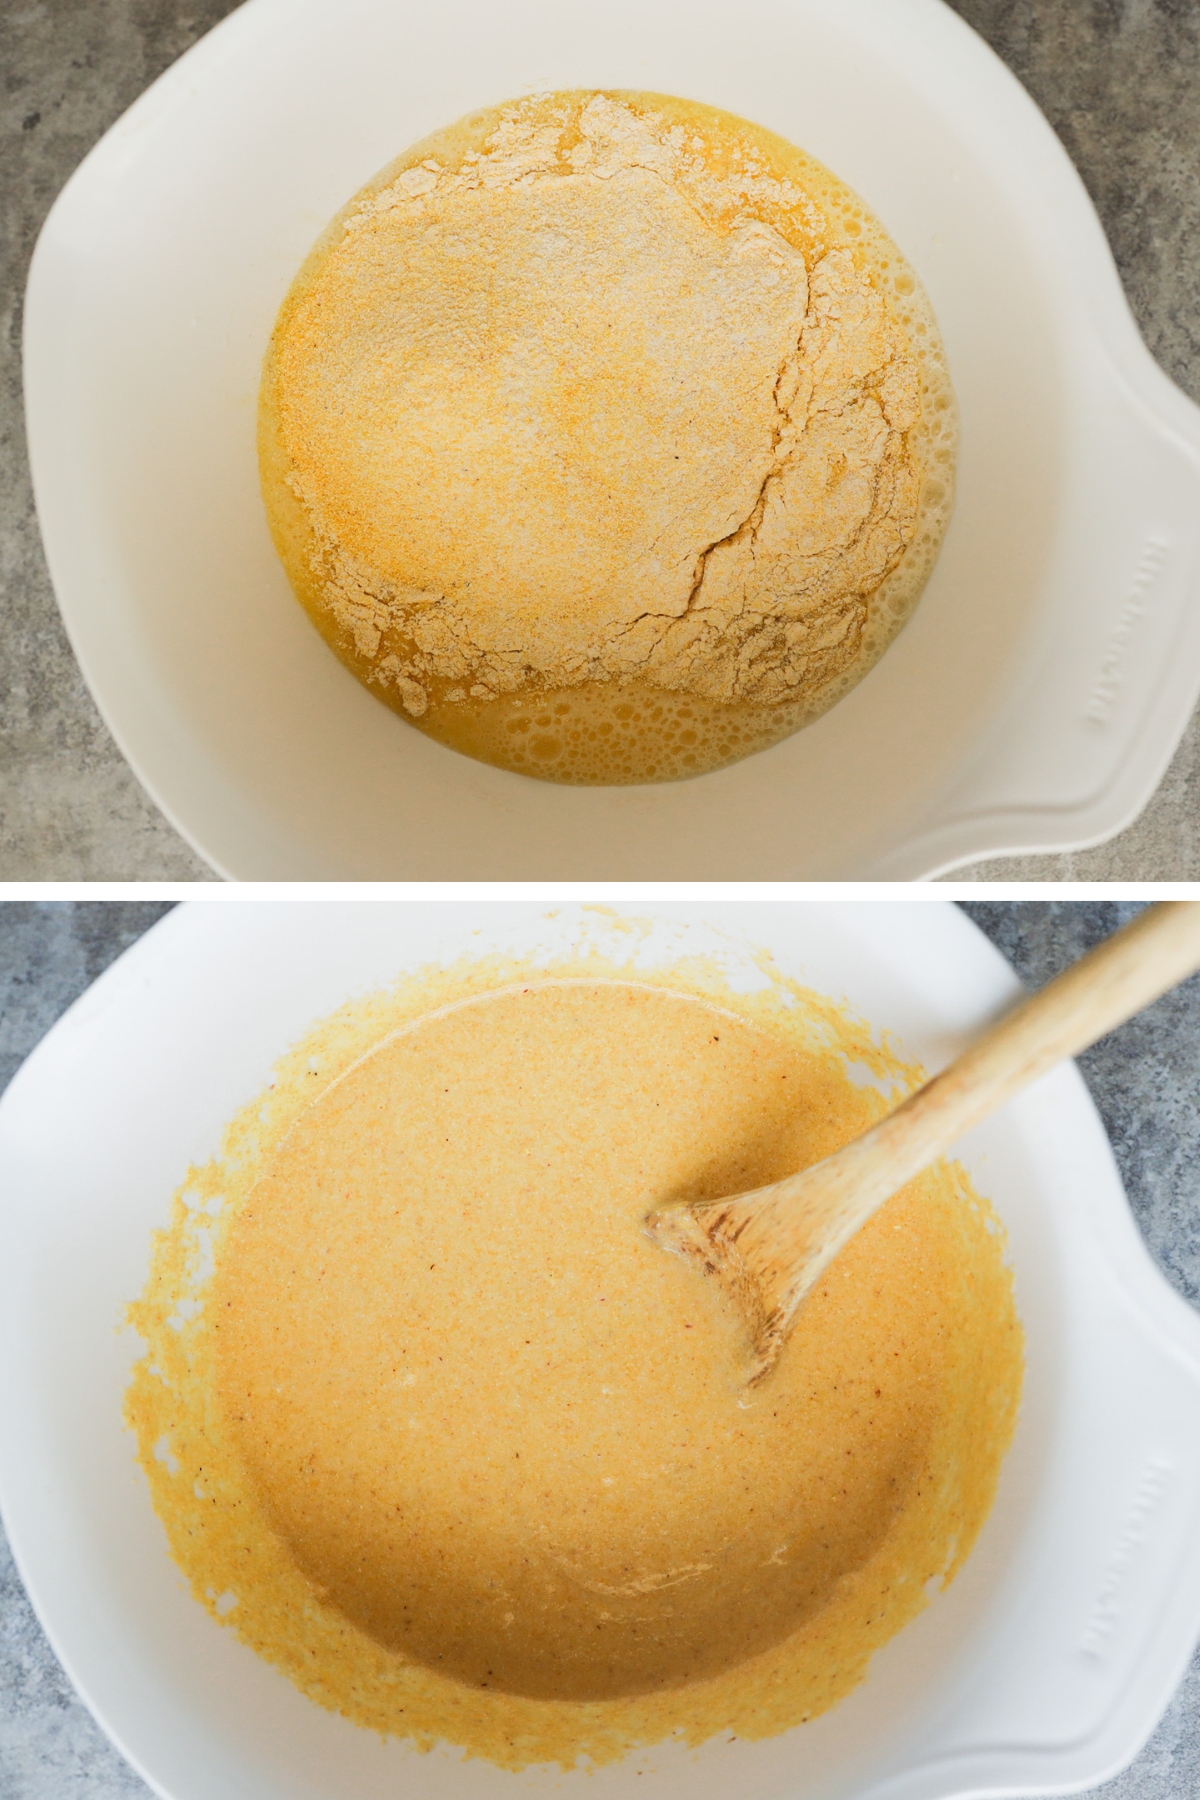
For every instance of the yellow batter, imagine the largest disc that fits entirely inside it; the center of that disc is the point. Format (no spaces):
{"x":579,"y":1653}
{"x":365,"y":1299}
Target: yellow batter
{"x":443,"y":1388}
{"x":607,"y":437}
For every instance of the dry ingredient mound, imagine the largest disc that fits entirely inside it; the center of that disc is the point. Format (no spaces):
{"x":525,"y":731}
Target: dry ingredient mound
{"x":591,"y":428}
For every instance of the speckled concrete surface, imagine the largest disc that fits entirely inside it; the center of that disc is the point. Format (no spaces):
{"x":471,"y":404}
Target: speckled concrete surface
{"x":1146,"y":1081}
{"x":1120,"y":81}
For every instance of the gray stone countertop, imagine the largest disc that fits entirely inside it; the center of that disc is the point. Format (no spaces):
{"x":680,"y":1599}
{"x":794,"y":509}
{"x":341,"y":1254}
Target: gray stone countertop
{"x":1118,"y":79}
{"x":1145,"y":1079}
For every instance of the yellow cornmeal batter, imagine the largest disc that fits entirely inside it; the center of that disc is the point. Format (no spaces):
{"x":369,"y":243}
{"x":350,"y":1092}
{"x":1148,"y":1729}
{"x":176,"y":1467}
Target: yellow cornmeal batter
{"x":450,"y":1441}
{"x":607,"y":437}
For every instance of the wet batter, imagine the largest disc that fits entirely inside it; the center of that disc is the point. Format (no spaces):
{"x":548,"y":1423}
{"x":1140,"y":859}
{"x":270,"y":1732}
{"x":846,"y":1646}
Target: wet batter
{"x":505,"y":1439}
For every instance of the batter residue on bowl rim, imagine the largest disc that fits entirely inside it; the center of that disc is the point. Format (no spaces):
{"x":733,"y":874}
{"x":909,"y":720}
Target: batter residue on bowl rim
{"x":607,"y":437}
{"x":436,"y":1430}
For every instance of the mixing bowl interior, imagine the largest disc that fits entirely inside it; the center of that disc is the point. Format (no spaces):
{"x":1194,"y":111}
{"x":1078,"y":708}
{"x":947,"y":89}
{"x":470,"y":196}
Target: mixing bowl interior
{"x":998,"y":1682}
{"x":152,"y":297}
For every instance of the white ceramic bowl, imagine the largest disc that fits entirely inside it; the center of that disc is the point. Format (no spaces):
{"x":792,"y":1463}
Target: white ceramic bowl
{"x":1032,"y":703}
{"x":1044,"y":1666}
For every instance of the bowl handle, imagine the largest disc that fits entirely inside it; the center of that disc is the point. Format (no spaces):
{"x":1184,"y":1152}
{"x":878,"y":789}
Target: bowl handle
{"x":1102,"y":1607}
{"x":1111,"y":671}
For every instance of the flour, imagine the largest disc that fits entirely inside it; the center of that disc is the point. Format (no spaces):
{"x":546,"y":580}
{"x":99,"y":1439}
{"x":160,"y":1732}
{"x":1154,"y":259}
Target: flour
{"x":605,"y":400}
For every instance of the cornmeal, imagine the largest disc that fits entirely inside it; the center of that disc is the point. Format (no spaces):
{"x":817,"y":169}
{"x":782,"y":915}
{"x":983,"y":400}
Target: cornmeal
{"x":447,"y":1438}
{"x":607,"y":437}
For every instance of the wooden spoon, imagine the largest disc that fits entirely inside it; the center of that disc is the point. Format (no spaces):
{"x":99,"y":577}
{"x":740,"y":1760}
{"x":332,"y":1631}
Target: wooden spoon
{"x":770,"y":1246}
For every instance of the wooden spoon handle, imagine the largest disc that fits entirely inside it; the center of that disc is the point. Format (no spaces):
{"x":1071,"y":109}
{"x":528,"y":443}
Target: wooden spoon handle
{"x":771,"y":1245}
{"x":1126,"y":972}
